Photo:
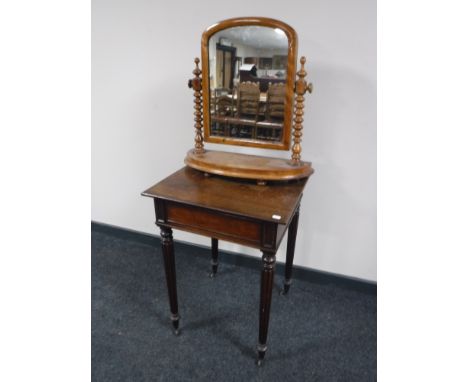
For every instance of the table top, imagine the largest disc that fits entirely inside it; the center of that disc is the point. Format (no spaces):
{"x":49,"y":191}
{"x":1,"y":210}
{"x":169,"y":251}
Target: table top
{"x":275,"y":201}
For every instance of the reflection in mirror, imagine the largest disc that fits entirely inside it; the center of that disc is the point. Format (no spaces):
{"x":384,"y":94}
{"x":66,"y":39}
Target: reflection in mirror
{"x":248,"y":66}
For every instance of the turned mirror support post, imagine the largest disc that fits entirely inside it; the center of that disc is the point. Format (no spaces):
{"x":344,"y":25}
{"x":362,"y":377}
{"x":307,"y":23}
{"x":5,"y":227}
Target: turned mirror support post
{"x":301,"y":88}
{"x":196,"y":84}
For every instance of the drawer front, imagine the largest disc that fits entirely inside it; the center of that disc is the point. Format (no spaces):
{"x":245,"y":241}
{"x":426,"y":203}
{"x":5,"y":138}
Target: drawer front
{"x":206,"y":221}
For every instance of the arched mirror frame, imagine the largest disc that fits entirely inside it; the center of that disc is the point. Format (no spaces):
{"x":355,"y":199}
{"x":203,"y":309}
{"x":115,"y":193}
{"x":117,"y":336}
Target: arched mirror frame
{"x":290,"y":81}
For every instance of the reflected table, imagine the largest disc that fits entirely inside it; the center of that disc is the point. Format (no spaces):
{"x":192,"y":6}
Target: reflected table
{"x":234,"y":210}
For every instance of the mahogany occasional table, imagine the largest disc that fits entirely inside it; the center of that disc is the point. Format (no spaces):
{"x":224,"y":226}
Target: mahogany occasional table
{"x":234,"y":210}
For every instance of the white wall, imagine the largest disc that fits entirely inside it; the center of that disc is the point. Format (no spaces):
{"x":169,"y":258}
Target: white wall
{"x":142,"y":116}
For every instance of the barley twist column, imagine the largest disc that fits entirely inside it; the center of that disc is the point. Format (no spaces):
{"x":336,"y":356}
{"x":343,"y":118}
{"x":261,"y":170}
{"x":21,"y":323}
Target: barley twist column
{"x":196,"y":84}
{"x":301,"y":88}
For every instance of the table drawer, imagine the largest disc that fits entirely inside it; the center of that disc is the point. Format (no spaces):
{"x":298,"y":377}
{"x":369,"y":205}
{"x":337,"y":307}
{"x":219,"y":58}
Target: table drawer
{"x":216,"y":222}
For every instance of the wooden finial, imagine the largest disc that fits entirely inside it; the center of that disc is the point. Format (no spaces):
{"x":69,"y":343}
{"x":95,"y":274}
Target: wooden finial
{"x":196,"y":84}
{"x":301,"y":88}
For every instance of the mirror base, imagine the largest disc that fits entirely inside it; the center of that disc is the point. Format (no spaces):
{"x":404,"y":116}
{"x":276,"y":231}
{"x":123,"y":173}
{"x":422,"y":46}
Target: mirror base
{"x":245,"y":166}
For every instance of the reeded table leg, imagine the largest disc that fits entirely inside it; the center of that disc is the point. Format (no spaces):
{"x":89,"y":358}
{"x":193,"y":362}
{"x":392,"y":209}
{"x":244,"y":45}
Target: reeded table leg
{"x":169,"y":267}
{"x":214,"y":257}
{"x":292,"y":233}
{"x":268,"y":273}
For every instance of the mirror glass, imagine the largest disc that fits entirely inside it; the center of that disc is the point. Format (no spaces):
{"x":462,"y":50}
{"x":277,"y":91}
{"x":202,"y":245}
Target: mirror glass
{"x":247,"y":82}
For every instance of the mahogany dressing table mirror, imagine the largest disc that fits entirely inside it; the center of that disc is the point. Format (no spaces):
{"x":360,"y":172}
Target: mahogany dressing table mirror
{"x":246,"y":94}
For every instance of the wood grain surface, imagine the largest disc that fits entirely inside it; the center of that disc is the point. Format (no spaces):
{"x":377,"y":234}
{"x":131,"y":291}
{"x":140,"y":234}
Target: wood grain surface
{"x":274,"y":202}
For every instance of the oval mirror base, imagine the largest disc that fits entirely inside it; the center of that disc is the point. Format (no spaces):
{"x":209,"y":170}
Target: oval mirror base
{"x":245,"y":166}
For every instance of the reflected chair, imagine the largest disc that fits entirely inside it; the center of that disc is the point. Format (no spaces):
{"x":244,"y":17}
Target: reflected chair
{"x":274,"y":113}
{"x":223,"y":109}
{"x":275,"y":102}
{"x":248,"y":103}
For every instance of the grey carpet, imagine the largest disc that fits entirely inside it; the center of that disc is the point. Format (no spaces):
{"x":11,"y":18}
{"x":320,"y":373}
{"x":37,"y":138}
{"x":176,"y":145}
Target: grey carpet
{"x":317,"y":333}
